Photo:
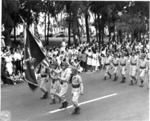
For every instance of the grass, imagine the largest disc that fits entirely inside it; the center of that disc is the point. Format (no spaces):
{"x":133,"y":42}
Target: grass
{"x":54,"y":41}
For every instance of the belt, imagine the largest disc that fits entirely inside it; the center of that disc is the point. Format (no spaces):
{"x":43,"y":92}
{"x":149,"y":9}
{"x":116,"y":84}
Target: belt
{"x":43,"y":76}
{"x":122,"y":64}
{"x":75,"y":86}
{"x":133,"y":64}
{"x":107,"y":64}
{"x":142,"y":67}
{"x":116,"y":64}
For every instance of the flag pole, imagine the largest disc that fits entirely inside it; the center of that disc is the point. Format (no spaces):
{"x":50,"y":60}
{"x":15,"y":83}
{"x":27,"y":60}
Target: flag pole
{"x":25,"y":33}
{"x":24,"y":38}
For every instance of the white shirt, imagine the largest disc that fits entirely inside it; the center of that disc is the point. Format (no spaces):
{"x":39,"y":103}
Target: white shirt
{"x":17,"y":56}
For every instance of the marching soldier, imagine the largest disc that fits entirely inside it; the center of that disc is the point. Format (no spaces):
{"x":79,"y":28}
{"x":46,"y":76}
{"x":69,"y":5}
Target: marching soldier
{"x":115,"y":62}
{"x":148,"y":69}
{"x":64,"y":80}
{"x":133,"y":69}
{"x":107,"y":65}
{"x":142,"y":67}
{"x":123,"y":68}
{"x":54,"y":73}
{"x":44,"y":79}
{"x":77,"y":90}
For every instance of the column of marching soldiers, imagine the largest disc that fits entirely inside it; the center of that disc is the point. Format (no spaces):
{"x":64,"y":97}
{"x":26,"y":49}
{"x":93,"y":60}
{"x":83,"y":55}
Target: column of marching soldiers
{"x":66,"y":64}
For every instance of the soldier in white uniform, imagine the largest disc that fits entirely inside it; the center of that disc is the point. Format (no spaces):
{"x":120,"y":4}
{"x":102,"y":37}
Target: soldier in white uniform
{"x":123,"y":68}
{"x":44,"y":79}
{"x":77,"y":90}
{"x":108,"y":66}
{"x":54,"y":73}
{"x":115,"y":62}
{"x":142,"y":67}
{"x":133,"y":69}
{"x":148,"y":69}
{"x":64,"y":80}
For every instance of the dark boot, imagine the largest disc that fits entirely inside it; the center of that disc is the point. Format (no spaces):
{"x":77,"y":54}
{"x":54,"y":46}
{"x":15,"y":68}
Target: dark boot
{"x":123,"y":80}
{"x":65,"y":104}
{"x":78,"y":110}
{"x":53,"y":101}
{"x":115,"y":78}
{"x":109,"y":75}
{"x":131,"y":83}
{"x":45,"y":95}
{"x":135,"y":81}
{"x":74,"y":111}
{"x":62,"y":106}
{"x":141,"y":85}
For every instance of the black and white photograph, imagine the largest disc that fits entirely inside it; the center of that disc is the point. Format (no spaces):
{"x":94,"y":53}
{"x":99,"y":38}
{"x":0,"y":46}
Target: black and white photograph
{"x":74,"y":60}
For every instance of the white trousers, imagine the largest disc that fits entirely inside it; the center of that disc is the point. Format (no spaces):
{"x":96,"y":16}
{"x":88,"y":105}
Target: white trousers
{"x":75,"y":96}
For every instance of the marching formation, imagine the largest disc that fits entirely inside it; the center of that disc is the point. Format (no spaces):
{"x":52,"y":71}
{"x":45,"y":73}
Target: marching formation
{"x":67,"y":62}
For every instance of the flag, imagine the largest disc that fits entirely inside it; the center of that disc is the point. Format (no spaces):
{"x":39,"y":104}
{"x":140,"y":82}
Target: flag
{"x":37,"y":38}
{"x":33,"y":57}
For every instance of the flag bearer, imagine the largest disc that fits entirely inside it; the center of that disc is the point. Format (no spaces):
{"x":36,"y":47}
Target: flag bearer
{"x":44,"y":79}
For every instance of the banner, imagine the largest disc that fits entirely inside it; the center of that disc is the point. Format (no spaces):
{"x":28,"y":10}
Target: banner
{"x":33,"y":57}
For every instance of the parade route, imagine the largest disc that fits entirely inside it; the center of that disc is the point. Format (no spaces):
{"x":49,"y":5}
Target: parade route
{"x":102,"y":100}
{"x":89,"y":101}
{"x":75,"y":60}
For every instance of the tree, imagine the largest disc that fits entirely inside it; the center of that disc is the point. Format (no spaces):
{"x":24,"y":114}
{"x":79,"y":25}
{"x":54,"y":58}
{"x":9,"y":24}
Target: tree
{"x":10,"y":10}
{"x":134,"y":20}
{"x":85,"y":10}
{"x":29,"y":10}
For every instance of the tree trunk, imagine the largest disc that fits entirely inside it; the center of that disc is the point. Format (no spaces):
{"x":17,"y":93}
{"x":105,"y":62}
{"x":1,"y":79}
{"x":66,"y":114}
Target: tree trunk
{"x":14,"y":34}
{"x":7,"y":36}
{"x":45,"y":27}
{"x":102,"y":34}
{"x":48,"y":27}
{"x":74,"y":33}
{"x":75,"y":30}
{"x":79,"y":32}
{"x":87,"y":28}
{"x":99,"y":29}
{"x":69,"y":29}
{"x":96,"y":29}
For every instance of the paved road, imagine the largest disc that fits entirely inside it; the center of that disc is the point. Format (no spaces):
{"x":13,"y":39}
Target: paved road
{"x":128,"y":102}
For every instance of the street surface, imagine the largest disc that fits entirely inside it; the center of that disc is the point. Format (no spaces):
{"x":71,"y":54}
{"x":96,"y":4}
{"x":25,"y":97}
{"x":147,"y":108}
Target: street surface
{"x":102,"y":100}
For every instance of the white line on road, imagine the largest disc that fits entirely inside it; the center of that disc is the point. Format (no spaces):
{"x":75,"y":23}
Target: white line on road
{"x":89,"y":101}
